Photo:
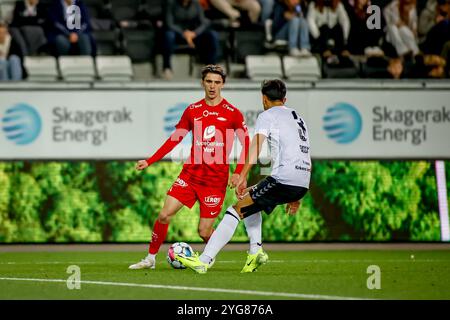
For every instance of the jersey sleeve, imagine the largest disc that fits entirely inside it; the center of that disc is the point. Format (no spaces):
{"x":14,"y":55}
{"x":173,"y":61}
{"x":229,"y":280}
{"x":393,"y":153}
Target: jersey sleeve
{"x":244,"y":139}
{"x":181,"y":129}
{"x":185,"y":120}
{"x":263,"y":124}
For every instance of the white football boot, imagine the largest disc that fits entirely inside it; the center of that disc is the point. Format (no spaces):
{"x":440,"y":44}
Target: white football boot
{"x":147,"y":263}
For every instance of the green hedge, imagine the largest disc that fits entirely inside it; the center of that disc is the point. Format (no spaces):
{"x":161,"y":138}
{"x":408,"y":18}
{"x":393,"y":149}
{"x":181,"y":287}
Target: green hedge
{"x":111,"y":201}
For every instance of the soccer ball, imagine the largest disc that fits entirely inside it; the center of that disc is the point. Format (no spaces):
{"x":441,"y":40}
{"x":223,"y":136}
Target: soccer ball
{"x":178,"y":247}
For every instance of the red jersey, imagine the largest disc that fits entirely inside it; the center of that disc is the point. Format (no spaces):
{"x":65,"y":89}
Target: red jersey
{"x":213,"y":132}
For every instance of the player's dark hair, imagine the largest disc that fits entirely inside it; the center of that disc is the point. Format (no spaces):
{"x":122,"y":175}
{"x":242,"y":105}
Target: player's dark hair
{"x":273,"y":89}
{"x":214,"y":68}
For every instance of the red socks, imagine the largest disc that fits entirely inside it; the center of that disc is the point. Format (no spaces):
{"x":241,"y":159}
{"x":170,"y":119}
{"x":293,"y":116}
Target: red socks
{"x":158,"y":236}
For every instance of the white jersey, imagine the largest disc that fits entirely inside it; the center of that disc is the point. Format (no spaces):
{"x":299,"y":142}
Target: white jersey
{"x":288,"y":139}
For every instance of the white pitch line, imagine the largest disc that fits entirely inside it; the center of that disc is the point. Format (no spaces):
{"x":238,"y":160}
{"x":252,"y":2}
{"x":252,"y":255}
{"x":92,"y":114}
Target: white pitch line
{"x":239,"y":261}
{"x":158,"y":286}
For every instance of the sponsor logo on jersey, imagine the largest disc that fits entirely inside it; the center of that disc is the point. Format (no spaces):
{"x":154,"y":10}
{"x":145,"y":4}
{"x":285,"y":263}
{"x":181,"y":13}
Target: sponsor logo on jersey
{"x":221,"y":119}
{"x":213,"y":213}
{"x":210,"y":131}
{"x":194,"y":106}
{"x":212,"y":201}
{"x":304,"y":149}
{"x":227,"y":107}
{"x":181,"y":183}
{"x":302,"y":168}
{"x":301,"y":135}
{"x":207,"y":113}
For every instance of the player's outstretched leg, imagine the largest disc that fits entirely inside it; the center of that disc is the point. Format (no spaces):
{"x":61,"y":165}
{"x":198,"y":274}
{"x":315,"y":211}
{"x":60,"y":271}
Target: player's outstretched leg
{"x":254,"y":261}
{"x":193,"y":262}
{"x":256,"y":256}
{"x":148,"y":262}
{"x":171,"y":207}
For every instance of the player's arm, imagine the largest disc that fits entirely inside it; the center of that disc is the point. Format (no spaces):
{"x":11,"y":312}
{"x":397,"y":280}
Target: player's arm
{"x":253,"y":154}
{"x":182,"y":128}
{"x":292,"y":207}
{"x":244,"y":140}
{"x":175,"y":138}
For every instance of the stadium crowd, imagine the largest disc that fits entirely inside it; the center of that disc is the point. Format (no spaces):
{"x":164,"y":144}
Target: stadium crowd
{"x":411,"y":40}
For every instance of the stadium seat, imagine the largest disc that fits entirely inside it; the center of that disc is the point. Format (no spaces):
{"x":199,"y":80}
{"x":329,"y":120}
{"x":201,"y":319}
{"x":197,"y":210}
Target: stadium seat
{"x":262,"y":67}
{"x":182,"y":66}
{"x":244,"y":43}
{"x":107,"y":41}
{"x":77,"y":68}
{"x":139,"y":44}
{"x":224,"y":47}
{"x":114,"y":68}
{"x":124,"y":9}
{"x":41,"y":68}
{"x":301,"y":69}
{"x":155,"y":8}
{"x":248,"y":42}
{"x":349,"y":69}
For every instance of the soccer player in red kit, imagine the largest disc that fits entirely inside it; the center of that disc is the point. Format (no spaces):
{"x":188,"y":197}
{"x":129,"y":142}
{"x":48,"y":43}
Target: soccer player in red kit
{"x":214,"y":122}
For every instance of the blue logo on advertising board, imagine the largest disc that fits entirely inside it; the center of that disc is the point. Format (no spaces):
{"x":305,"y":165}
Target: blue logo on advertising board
{"x":21,"y":124}
{"x":342,"y":123}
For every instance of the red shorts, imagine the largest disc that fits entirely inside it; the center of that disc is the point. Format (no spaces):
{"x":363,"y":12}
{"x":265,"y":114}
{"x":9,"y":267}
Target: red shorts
{"x":210,"y":198}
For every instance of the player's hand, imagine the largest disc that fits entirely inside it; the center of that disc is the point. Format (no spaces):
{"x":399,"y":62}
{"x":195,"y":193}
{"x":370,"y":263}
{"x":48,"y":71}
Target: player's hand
{"x":234,"y":179}
{"x":241,"y":188}
{"x":292,"y":207}
{"x":141,"y":165}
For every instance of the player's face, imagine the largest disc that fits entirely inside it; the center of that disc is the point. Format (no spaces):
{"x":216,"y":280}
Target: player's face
{"x":213,"y":85}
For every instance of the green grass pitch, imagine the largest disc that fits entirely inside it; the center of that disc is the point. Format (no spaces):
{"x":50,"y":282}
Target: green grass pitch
{"x":288,"y":275}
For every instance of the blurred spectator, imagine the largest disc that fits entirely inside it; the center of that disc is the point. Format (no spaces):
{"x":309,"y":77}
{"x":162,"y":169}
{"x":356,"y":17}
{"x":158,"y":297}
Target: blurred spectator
{"x":142,"y":18}
{"x":10,"y":56}
{"x":401,"y":26}
{"x":65,"y":39}
{"x":446,"y":55}
{"x":27,"y":26}
{"x":28,"y":13}
{"x":430,"y":66}
{"x":361,"y":40}
{"x":289,"y":24}
{"x":329,"y":25}
{"x":385,"y":67}
{"x":205,"y":4}
{"x":100,"y":15}
{"x":228,"y":7}
{"x":427,"y":19}
{"x":439,"y":34}
{"x":267,"y":7}
{"x":186,"y":24}
{"x":395,"y":68}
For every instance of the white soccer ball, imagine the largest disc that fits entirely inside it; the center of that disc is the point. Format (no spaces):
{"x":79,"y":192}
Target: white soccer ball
{"x":178,"y":248}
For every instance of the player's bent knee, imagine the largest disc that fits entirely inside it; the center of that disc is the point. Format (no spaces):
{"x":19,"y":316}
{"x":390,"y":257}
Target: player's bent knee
{"x":205,"y":233}
{"x":164,"y":217}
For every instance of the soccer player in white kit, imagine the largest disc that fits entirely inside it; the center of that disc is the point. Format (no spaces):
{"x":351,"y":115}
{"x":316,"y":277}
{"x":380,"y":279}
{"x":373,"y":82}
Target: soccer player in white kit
{"x":288,"y":139}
